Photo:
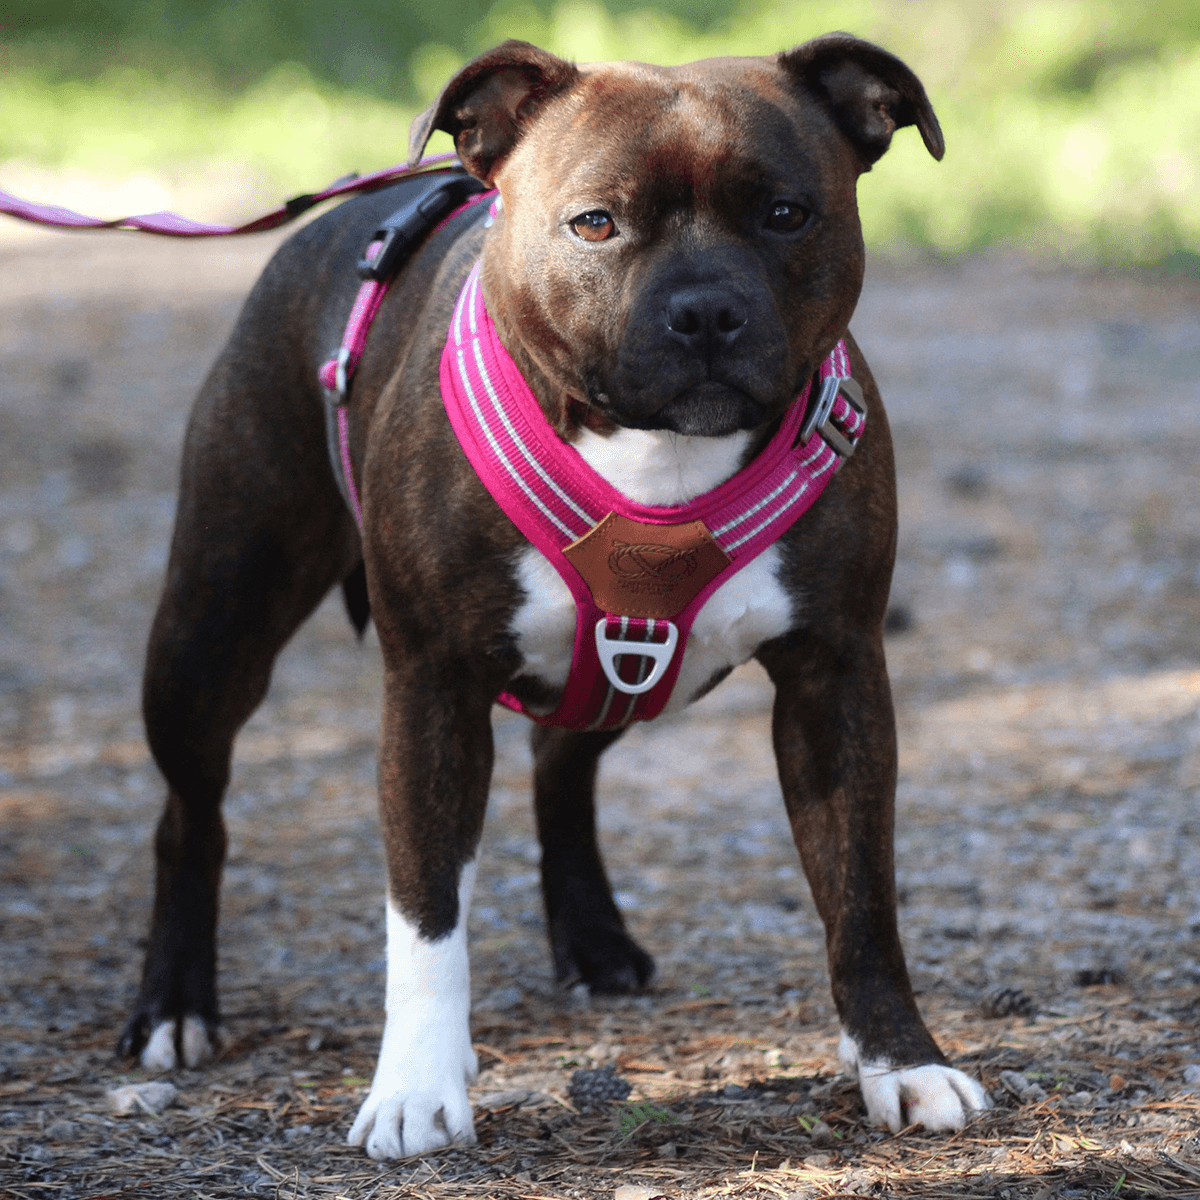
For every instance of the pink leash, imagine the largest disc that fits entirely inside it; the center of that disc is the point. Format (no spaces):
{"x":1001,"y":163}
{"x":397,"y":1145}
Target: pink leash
{"x":170,"y":224}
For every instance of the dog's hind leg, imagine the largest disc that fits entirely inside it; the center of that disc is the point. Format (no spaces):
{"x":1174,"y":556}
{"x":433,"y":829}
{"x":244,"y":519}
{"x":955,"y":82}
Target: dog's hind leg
{"x":259,"y":539}
{"x":587,"y":936}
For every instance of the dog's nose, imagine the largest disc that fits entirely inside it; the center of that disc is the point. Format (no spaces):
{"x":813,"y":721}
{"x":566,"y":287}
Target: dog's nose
{"x":705,"y":318}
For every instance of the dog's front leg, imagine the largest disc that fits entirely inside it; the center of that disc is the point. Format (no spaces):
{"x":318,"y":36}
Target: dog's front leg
{"x":835,"y":743}
{"x":435,"y":766}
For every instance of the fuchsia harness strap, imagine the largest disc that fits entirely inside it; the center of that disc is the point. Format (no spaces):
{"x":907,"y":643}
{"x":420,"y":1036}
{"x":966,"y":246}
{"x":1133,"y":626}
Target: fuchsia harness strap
{"x":335,"y":374}
{"x":639,"y":598}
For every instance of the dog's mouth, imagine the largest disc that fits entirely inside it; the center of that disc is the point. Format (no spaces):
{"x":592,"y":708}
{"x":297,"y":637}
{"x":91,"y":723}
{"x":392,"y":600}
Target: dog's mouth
{"x":705,"y":409}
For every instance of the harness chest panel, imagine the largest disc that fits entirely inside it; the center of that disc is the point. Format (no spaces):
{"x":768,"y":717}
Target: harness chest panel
{"x":643,"y":570}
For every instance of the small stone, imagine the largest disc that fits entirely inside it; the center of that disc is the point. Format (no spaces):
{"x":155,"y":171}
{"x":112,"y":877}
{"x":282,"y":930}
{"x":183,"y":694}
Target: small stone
{"x":733,"y":1091}
{"x":501,"y":999}
{"x":1118,"y":1083}
{"x":507,"y":1099}
{"x":37,"y":1153}
{"x":1024,"y":1089}
{"x":635,"y":1191}
{"x":62,"y":1130}
{"x":1098,"y":977}
{"x":1191,"y":1073}
{"x":668,"y":1150}
{"x":152,"y":1098}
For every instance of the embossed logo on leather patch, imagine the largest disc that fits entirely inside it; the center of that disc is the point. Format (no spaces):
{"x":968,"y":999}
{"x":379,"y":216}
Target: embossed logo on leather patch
{"x":641,"y":570}
{"x":651,"y":560}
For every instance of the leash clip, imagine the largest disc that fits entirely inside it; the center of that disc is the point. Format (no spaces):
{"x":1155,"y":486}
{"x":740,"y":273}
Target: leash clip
{"x":819,"y":418}
{"x":397,"y":235}
{"x":611,"y":648}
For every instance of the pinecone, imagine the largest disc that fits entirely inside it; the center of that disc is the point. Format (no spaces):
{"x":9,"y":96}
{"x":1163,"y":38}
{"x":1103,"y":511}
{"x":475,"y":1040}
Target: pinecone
{"x":595,"y":1089}
{"x":1008,"y":1002}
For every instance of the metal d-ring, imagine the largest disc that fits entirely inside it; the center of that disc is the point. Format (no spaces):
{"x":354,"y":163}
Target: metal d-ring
{"x":610,"y":649}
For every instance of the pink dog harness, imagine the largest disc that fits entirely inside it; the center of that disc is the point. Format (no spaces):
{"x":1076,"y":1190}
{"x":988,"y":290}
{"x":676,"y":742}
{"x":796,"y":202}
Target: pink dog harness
{"x":639,"y":573}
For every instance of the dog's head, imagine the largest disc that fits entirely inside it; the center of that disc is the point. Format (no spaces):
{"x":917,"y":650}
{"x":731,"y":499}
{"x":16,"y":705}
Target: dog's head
{"x":679,"y":246}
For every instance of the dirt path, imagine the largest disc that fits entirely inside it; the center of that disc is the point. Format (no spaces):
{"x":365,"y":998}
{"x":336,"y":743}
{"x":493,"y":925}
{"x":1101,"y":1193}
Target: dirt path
{"x":1048,"y":683}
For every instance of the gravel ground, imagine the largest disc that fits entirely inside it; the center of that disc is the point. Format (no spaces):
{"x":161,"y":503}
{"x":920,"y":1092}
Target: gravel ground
{"x":1046,"y":663}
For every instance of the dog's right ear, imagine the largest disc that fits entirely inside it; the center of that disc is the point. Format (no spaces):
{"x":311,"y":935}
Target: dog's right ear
{"x":485,"y":106}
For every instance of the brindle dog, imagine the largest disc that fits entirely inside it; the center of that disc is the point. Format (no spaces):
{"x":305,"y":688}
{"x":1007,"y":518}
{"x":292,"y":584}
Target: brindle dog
{"x":676,"y":252}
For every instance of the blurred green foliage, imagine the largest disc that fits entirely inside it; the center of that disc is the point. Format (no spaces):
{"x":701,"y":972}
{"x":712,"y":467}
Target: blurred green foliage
{"x":1072,"y":126}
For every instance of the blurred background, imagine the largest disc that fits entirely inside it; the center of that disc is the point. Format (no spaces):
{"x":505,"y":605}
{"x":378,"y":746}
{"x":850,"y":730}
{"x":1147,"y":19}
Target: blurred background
{"x":1073,"y":126}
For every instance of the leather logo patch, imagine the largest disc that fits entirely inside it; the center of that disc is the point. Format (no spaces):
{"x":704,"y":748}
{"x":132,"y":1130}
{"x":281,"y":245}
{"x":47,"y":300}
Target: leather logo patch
{"x":640,"y":570}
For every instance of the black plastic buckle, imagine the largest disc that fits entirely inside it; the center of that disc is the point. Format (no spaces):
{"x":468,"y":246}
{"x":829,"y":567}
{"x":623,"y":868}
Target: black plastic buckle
{"x":412,"y":222}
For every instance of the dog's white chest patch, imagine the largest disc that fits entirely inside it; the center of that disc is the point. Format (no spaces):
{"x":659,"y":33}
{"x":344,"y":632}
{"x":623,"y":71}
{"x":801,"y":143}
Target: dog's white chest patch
{"x":660,"y":468}
{"x":652,"y":466}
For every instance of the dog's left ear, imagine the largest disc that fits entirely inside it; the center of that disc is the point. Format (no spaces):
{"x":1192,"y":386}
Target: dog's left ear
{"x":869,"y":92}
{"x":487,"y":104}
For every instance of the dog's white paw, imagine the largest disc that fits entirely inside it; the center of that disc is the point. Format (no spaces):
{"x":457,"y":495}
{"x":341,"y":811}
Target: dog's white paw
{"x":418,"y":1099}
{"x":415,"y":1104}
{"x":160,"y":1054}
{"x":936,"y":1096}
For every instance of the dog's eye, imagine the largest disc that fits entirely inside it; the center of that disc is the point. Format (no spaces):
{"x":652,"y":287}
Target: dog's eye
{"x":594,"y":226}
{"x":786,"y":216}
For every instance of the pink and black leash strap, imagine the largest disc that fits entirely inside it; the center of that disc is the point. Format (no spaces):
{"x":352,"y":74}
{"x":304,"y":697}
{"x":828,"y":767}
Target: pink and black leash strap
{"x":386,"y":251}
{"x":169,"y":224}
